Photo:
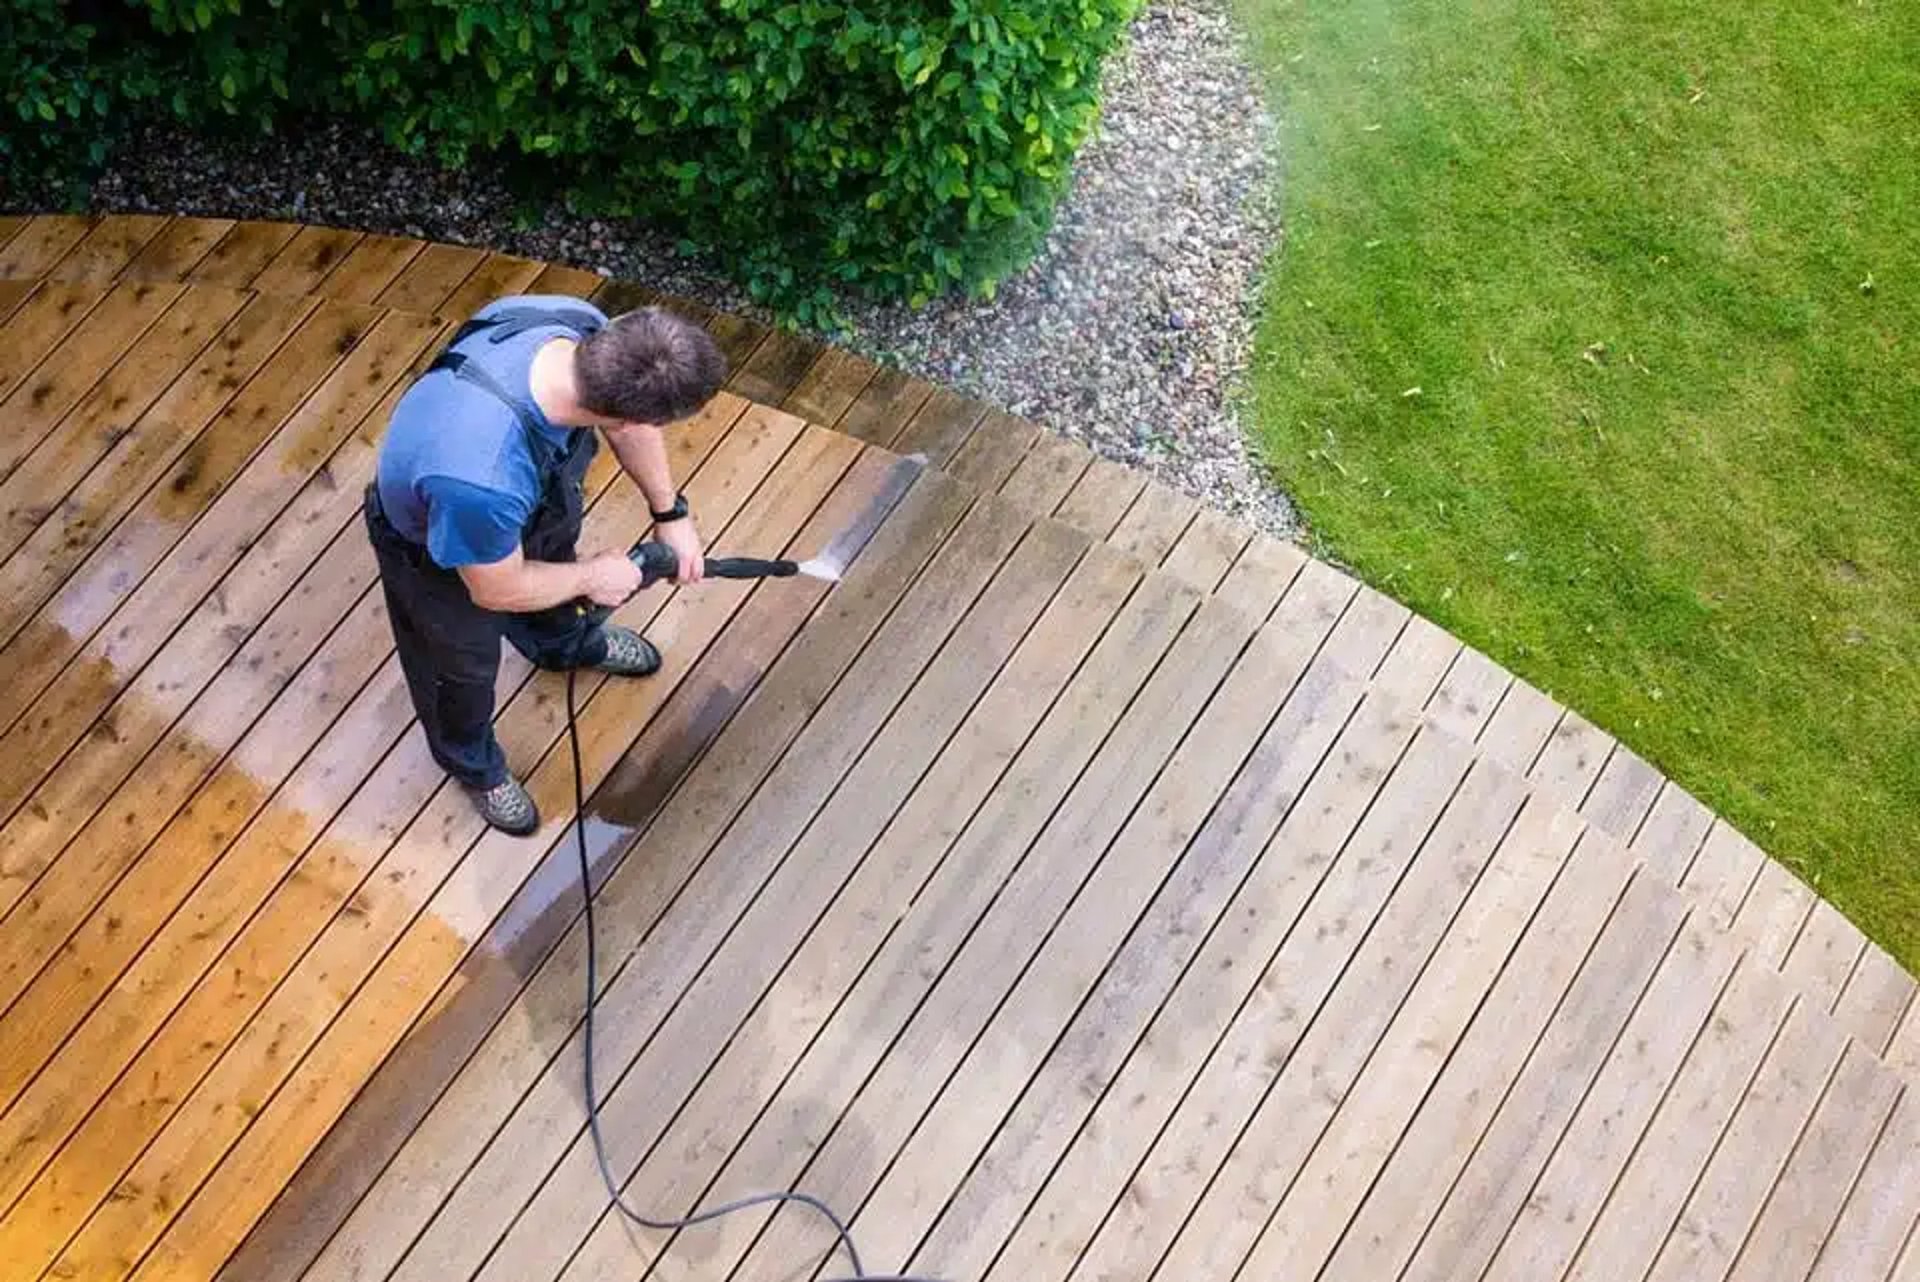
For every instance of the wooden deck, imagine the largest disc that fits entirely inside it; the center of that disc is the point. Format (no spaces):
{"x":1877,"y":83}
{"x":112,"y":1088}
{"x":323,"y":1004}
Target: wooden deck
{"x":1085,"y":889}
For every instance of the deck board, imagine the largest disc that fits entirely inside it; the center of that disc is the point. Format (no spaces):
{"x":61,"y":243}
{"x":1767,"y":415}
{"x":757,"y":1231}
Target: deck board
{"x":41,"y":397}
{"x":1877,"y":994}
{"x":1882,"y":1206}
{"x":1046,"y":474}
{"x":38,"y":247}
{"x":365,"y":270}
{"x":199,"y":605}
{"x":243,"y":253}
{"x":1806,"y":1200}
{"x":174,"y":424}
{"x":908,"y":1080}
{"x":830,"y":386}
{"x":642,"y":991}
{"x":1467,"y":695}
{"x":1563,"y":1075}
{"x":107,"y":413}
{"x":1102,"y":499}
{"x":1520,"y":727}
{"x":1082,"y":994}
{"x":179,"y":249}
{"x":110,"y":246}
{"x":1420,"y":659}
{"x":1825,"y":956}
{"x":774,"y":371}
{"x":432,"y":274}
{"x":1753,"y":1152}
{"x":1155,"y":521}
{"x":1591,"y":961}
{"x":1670,"y":836}
{"x":902,"y":855}
{"x":306,"y":261}
{"x":49,"y":311}
{"x":13,"y":293}
{"x":1088,"y":887}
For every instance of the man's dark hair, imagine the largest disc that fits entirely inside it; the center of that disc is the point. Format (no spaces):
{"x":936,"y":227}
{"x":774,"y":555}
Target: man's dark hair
{"x":648,"y":366}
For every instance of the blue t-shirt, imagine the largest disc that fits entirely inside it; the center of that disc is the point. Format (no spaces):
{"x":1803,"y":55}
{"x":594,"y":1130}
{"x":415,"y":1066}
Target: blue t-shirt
{"x":456,"y":471}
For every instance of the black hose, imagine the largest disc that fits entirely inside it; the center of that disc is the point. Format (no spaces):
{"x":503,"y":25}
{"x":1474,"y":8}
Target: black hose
{"x":845,"y":1238}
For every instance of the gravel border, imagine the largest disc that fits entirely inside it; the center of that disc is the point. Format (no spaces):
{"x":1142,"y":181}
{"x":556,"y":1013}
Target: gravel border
{"x":1131,"y":332}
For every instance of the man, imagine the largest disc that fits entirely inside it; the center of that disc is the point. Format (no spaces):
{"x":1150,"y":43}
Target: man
{"x":478,"y":502}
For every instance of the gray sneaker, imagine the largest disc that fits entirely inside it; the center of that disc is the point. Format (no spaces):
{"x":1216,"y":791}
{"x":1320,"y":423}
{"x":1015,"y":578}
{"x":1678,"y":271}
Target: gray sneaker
{"x":628,"y":654}
{"x":508,"y":806}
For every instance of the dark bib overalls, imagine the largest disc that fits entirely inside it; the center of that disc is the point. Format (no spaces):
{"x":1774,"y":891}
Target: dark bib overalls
{"x":449,"y":647}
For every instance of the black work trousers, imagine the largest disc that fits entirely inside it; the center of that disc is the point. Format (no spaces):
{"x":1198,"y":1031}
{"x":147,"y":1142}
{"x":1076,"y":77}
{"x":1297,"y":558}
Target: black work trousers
{"x":450,"y":648}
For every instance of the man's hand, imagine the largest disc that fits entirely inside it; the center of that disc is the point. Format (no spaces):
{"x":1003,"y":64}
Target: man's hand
{"x":611,"y":577}
{"x":684,"y":539}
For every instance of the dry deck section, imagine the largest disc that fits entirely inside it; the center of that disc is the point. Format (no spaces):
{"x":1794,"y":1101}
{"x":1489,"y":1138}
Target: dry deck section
{"x":1084,"y":889}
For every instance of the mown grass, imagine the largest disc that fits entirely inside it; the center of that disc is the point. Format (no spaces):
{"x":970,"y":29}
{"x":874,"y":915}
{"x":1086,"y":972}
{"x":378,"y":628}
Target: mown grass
{"x":1655,"y":270}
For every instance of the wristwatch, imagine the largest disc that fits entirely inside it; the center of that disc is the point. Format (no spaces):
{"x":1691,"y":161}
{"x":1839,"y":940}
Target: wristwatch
{"x":678,"y":512}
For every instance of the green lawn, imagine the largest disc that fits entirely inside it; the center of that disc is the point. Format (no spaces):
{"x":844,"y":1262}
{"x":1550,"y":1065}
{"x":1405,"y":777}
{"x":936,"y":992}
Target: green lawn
{"x":1654,"y":268}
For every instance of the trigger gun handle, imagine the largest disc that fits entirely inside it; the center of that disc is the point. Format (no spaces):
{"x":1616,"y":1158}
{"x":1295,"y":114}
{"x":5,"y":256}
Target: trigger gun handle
{"x":657,"y":561}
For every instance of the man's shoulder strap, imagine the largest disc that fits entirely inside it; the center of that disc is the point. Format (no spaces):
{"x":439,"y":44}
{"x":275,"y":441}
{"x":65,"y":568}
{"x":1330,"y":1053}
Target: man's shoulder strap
{"x":510,"y":322}
{"x":499,"y":327}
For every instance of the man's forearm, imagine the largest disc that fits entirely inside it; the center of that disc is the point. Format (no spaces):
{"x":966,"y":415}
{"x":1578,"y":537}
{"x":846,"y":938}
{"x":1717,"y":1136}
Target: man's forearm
{"x":533,"y":585}
{"x":642,"y":451}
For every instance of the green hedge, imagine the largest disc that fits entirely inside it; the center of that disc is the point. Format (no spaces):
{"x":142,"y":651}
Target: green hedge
{"x":905,"y":147}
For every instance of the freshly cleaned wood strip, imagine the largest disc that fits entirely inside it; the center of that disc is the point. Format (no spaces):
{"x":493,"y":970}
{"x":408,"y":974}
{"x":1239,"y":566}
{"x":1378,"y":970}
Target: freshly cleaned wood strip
{"x":179,"y":248}
{"x":113,"y":243}
{"x":306,"y":261}
{"x":243,"y":253}
{"x":38,"y":247}
{"x":829,"y":387}
{"x":293,"y":1033}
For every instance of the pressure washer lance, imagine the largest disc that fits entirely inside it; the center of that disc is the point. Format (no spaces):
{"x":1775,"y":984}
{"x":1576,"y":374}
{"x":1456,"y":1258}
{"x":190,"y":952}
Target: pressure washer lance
{"x":657,"y":561}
